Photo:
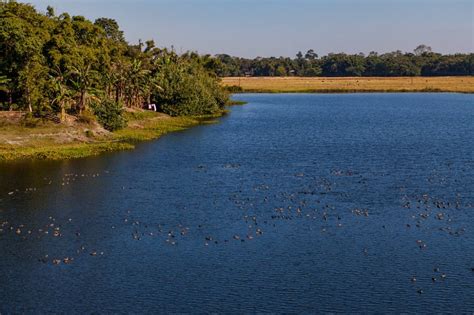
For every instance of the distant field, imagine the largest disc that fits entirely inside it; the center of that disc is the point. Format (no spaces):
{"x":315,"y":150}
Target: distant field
{"x":352,"y":84}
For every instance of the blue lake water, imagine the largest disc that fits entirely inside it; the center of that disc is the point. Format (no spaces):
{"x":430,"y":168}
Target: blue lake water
{"x":292,"y":203}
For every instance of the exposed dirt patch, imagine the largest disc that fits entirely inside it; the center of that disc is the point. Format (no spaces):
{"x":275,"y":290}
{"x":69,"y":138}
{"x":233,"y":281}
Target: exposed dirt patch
{"x":14,"y":132}
{"x":10,"y":118}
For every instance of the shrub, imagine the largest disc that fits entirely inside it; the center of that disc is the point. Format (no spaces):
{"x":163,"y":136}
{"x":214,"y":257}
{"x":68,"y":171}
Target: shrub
{"x":89,"y":134}
{"x":188,"y":89}
{"x":110,"y":114}
{"x":29,"y":121}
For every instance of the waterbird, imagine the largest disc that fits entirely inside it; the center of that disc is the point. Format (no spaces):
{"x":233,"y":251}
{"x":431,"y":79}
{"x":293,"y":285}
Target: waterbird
{"x":67,"y":260}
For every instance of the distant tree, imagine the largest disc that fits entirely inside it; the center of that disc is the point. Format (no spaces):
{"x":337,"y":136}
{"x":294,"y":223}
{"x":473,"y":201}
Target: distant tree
{"x":111,"y":28}
{"x":149,"y":45}
{"x":311,"y":55}
{"x":280,"y":71}
{"x":313,"y":71}
{"x":50,"y":11}
{"x":422,"y":49}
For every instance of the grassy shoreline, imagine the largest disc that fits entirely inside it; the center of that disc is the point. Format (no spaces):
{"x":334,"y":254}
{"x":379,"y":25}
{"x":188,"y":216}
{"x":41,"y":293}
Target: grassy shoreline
{"x":350,"y":84}
{"x":143,"y":126}
{"x":41,"y":143}
{"x":343,"y":91}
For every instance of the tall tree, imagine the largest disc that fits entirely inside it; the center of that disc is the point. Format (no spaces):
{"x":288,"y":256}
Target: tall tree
{"x":422,"y":49}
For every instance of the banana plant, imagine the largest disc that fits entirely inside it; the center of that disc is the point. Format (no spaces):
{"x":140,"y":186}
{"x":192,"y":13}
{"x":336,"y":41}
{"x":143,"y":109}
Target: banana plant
{"x":82,"y":78}
{"x":62,"y":94}
{"x":136,"y":82}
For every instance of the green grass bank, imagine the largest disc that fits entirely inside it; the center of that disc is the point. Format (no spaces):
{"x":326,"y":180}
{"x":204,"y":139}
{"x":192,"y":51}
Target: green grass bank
{"x":45,"y":140}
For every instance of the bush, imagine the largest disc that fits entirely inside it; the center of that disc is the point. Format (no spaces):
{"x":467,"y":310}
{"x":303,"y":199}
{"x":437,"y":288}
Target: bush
{"x":188,"y":89}
{"x":89,"y":134}
{"x":29,"y":121}
{"x":110,"y":115}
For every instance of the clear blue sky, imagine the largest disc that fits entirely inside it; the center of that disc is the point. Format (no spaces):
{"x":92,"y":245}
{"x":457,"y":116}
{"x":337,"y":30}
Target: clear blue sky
{"x":251,"y":28}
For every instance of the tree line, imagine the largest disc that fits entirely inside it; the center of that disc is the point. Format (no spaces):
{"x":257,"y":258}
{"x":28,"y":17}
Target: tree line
{"x":67,"y":64}
{"x":421,"y":62}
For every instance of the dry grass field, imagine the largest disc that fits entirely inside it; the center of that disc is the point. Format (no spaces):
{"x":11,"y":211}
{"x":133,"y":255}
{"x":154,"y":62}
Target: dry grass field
{"x":352,"y":84}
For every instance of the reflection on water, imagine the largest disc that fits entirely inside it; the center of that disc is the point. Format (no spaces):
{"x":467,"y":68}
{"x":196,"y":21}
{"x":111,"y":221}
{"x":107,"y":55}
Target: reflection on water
{"x":293,"y":203}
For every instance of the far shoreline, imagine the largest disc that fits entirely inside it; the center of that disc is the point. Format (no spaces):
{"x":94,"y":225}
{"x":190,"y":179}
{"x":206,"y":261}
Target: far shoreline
{"x":336,"y":85}
{"x":348,"y":92}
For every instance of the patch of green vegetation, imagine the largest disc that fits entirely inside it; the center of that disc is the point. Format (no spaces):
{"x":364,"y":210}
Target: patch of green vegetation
{"x":89,"y":133}
{"x":154,"y":128}
{"x":421,"y":62}
{"x":110,"y":114}
{"x":61,"y":152}
{"x":139,"y":115}
{"x":143,"y":126}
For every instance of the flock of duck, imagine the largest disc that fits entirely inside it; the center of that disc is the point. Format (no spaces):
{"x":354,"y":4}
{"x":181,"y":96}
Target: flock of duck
{"x":263,"y":209}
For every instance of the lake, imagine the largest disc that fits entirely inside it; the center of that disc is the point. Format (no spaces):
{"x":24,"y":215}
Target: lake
{"x":292,"y":203}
